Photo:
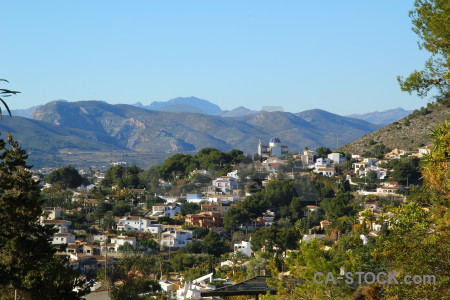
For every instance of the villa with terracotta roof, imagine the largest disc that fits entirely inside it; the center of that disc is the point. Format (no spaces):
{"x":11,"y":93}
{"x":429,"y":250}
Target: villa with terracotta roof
{"x":204,"y":219}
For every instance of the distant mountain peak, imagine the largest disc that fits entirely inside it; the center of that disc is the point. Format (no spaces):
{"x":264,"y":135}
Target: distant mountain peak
{"x":185,"y":104}
{"x":238,"y":112}
{"x":383,"y":117}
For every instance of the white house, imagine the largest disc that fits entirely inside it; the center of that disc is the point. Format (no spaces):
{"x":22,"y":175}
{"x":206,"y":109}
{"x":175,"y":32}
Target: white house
{"x":63,"y":238}
{"x":364,"y":163}
{"x":166,"y":286}
{"x":120,"y":241}
{"x":194,"y":198}
{"x":164,"y":184}
{"x":224,"y":199}
{"x":163,"y":210}
{"x":233,"y":174}
{"x":389,"y":187}
{"x":309,"y":237}
{"x":51,"y":213}
{"x":307,"y":158}
{"x":138,"y":224}
{"x":201,"y":172}
{"x":57,"y":223}
{"x":325,"y":171}
{"x":243,"y":247}
{"x":100,"y":237}
{"x":425,"y":150}
{"x":175,"y":239}
{"x":225,"y":184}
{"x":336,"y":158}
{"x":228,"y":263}
{"x":381,"y":172}
{"x":323,"y":166}
{"x":322,"y":162}
{"x":192,"y":290}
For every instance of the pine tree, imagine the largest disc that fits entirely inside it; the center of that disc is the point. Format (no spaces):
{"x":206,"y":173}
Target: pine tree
{"x":27,"y":258}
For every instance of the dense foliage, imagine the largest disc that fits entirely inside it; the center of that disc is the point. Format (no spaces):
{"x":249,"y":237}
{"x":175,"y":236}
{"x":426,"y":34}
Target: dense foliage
{"x":430,"y":23}
{"x":180,"y":165}
{"x":27,"y":260}
{"x":123,"y":177}
{"x":414,"y":240}
{"x":67,"y":176}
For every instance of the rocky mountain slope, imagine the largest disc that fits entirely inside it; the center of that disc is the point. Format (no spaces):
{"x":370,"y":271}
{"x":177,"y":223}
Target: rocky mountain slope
{"x":238,"y":112}
{"x":408,"y":133}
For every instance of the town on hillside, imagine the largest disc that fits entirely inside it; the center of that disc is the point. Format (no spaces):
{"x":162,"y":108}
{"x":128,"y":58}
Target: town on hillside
{"x":200,"y":224}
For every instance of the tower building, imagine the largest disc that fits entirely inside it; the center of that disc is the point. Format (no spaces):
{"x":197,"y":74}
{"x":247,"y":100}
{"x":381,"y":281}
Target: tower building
{"x":274,"y":148}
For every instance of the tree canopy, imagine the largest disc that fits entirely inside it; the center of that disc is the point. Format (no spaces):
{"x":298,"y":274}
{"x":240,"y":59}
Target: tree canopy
{"x":430,"y":23}
{"x":323,"y":151}
{"x":123,"y":176}
{"x":27,"y":260}
{"x":180,"y":165}
{"x":67,"y":176}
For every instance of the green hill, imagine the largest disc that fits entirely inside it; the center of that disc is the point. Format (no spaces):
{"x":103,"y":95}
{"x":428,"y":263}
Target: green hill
{"x":408,"y":133}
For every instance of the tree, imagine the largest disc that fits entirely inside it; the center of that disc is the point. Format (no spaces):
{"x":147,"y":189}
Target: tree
{"x":108,"y":221}
{"x":125,"y":248}
{"x":123,"y":177}
{"x":215,"y":244}
{"x":275,"y":240}
{"x":421,"y":229}
{"x":200,"y":232}
{"x":196,"y":247}
{"x":189,"y":208}
{"x":406,"y":170}
{"x":418,"y":244}
{"x":310,"y":260}
{"x":175,"y":166}
{"x":27,"y":260}
{"x":67,"y":176}
{"x":436,"y":171}
{"x":430,"y":23}
{"x":235,"y":217}
{"x":121,"y":208}
{"x":338,"y":206}
{"x":151,"y":179}
{"x":56,"y":195}
{"x":323,"y":151}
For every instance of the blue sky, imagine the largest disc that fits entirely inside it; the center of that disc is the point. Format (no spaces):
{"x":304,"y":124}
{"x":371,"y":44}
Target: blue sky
{"x":340,"y":56}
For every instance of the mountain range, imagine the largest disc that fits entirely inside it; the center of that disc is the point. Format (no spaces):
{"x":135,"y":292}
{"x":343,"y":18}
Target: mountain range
{"x":384,"y":117}
{"x":197,"y":105}
{"x":61,"y":131}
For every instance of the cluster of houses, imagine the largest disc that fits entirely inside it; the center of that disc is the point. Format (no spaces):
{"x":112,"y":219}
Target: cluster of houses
{"x":222,"y":195}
